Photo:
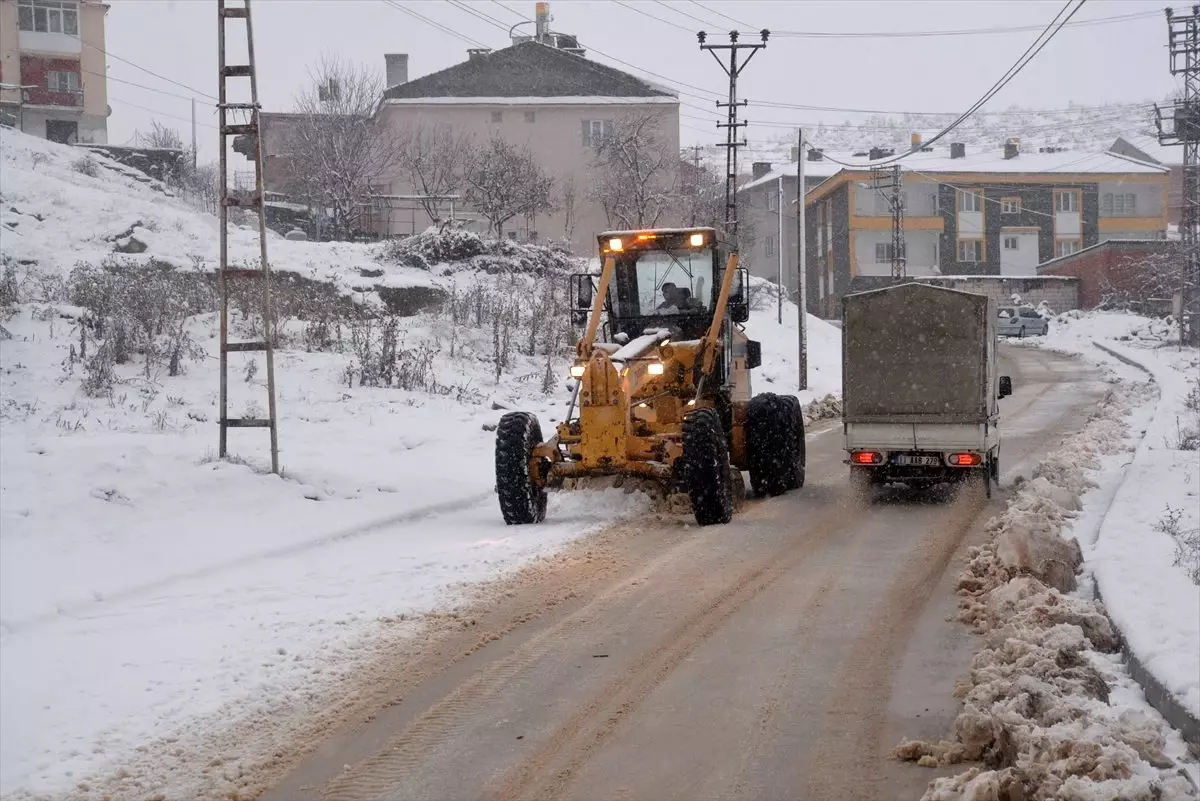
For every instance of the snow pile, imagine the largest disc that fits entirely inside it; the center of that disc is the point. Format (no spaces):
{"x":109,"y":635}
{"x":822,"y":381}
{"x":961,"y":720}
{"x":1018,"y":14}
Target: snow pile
{"x":455,"y":250}
{"x":1146,"y":549}
{"x":1036,"y":706}
{"x":780,"y":369}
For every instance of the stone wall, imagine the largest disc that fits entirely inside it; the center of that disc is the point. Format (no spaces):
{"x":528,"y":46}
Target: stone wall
{"x":1059,"y":293}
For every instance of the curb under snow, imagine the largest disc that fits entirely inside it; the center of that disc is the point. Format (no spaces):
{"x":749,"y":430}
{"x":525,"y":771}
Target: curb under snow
{"x":1158,"y":696}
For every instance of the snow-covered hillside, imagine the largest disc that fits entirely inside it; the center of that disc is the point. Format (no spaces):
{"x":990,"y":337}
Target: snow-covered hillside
{"x":1081,"y":128}
{"x":157,"y":605}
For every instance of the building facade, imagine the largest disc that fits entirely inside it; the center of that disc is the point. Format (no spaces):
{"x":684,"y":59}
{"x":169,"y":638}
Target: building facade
{"x":53,"y":68}
{"x":548,"y":98}
{"x":999,"y":214}
{"x":1122,"y":271}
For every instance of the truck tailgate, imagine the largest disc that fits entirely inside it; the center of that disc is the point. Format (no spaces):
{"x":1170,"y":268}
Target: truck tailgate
{"x":915,"y":436}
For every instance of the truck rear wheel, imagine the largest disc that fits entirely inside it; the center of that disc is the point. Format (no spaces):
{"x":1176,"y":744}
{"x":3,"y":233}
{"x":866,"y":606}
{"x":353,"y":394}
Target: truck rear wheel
{"x":706,"y":467}
{"x":522,"y":497}
{"x":770,"y":444}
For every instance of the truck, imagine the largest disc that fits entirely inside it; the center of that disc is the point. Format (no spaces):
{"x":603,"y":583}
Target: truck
{"x":920,"y":387}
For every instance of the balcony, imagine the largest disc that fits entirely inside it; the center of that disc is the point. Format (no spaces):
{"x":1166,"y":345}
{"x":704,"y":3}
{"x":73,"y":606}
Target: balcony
{"x":46,"y":97}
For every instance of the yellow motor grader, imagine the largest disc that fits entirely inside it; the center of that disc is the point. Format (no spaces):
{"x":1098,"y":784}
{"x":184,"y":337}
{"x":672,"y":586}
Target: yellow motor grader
{"x":662,"y":386}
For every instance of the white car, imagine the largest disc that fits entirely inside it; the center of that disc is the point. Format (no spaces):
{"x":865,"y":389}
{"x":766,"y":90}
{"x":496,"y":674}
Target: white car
{"x":1020,"y":321}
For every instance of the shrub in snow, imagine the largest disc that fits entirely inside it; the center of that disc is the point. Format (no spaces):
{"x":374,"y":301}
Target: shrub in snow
{"x":462,"y":250}
{"x":136,"y":308}
{"x":85,"y":165}
{"x":1035,"y":706}
{"x":1187,"y":542}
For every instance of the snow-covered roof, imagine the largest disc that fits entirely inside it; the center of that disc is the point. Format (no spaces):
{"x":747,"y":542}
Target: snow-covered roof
{"x":812,"y":169}
{"x":1163,"y":154}
{"x":557,"y":100}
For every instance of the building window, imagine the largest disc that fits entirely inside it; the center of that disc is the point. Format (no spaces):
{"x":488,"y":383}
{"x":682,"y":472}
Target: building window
{"x":772,"y":201}
{"x":1066,"y":201}
{"x":497,"y":116}
{"x":530,"y":116}
{"x":937,"y":252}
{"x":596,"y":131}
{"x":883,"y":252}
{"x":1010,"y":243}
{"x":937,"y":200}
{"x":49,"y":16}
{"x":62,"y":81}
{"x":1010,"y":205}
{"x":1118,"y":204}
{"x":969,"y":201}
{"x":770,"y":244}
{"x":970,"y":250}
{"x":1065,"y":247}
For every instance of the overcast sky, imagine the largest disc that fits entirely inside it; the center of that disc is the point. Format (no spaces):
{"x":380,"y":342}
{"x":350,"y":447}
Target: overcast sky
{"x":1089,"y":64}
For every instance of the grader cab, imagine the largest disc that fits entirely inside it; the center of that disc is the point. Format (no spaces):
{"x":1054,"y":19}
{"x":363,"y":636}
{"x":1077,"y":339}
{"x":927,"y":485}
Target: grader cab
{"x":661,"y":386}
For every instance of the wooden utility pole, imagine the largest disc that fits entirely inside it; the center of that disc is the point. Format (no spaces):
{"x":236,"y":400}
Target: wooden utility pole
{"x":801,"y":262}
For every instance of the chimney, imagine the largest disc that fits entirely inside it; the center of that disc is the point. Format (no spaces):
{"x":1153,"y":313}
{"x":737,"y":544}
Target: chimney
{"x":795,"y":153}
{"x":761,"y":168}
{"x":396,"y":68}
{"x":815,"y":155}
{"x":958,"y":150}
{"x":916,"y":140}
{"x":1012,"y":147}
{"x":543,"y":21}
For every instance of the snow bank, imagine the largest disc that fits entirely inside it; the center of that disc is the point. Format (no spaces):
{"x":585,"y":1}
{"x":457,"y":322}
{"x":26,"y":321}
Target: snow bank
{"x":781,"y":348}
{"x":1141,"y":569}
{"x":1037,"y":710}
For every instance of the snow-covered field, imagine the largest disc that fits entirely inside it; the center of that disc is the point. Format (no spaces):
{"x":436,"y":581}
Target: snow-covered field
{"x":1130,"y":547}
{"x":168,"y":620}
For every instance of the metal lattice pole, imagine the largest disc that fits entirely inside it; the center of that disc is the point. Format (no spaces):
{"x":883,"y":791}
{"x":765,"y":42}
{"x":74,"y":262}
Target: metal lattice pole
{"x":731,"y":124}
{"x":248,"y":110}
{"x":887,"y":181}
{"x":1183,"y":44}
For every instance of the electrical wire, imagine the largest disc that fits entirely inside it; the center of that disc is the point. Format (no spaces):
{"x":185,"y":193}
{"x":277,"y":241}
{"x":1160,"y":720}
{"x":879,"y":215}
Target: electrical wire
{"x":963,"y":32}
{"x":139,"y":85}
{"x":161,"y":113}
{"x":433,"y":23}
{"x":719,"y":14}
{"x":110,"y":54}
{"x":1030,"y":52}
{"x":637,"y":10}
{"x":684,"y":13}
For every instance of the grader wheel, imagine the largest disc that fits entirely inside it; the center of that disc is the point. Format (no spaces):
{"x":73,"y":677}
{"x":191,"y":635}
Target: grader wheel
{"x":706,"y":465}
{"x":771,"y":444}
{"x":522,"y":498}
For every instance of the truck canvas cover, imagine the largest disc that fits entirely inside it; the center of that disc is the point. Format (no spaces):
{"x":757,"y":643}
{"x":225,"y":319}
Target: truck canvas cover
{"x":915,"y":353}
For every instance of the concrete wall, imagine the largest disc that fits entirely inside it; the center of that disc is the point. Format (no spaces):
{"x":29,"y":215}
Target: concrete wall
{"x":1060,"y":294}
{"x":92,"y":60}
{"x":10,"y":51}
{"x":555,"y":137}
{"x":1117,"y":268}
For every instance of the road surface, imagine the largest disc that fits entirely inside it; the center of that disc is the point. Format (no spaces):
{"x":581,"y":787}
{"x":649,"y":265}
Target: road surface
{"x":779,"y":657}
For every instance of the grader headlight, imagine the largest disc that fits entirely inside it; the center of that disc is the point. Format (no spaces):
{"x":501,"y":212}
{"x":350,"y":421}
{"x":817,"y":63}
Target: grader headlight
{"x":696,"y":240}
{"x":615,"y":244}
{"x":577,"y":370}
{"x":655,"y":368}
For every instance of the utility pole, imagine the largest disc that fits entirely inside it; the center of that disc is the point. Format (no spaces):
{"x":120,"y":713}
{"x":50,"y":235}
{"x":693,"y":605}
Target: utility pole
{"x":779,"y":206}
{"x":887,"y":182}
{"x":802,"y":259}
{"x":731,"y":124}
{"x":242,"y":118}
{"x":1183,"y":44}
{"x":193,"y":134}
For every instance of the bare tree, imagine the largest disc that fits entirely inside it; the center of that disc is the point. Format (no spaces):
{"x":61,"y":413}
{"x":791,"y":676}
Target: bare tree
{"x":160,"y":136}
{"x":701,"y":195}
{"x":336,"y":150}
{"x":568,"y":208}
{"x":435,"y":158}
{"x":504,"y":181}
{"x":635,"y":173}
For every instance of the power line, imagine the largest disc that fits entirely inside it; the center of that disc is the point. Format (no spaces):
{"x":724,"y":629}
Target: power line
{"x":161,"y":113}
{"x":145,"y":70}
{"x":1030,"y":52}
{"x":961,"y":32}
{"x":434,"y":24}
{"x":480,"y":14}
{"x":637,"y":10}
{"x":684,"y":13}
{"x":139,"y":85}
{"x":719,"y":14}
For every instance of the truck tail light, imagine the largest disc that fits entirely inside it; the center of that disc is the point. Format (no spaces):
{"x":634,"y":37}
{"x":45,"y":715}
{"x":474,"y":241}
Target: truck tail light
{"x":866,"y":457}
{"x":965,"y":459}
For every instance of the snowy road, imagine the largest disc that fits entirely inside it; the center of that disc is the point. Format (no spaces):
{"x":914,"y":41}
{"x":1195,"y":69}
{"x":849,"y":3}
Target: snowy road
{"x":782,"y":655}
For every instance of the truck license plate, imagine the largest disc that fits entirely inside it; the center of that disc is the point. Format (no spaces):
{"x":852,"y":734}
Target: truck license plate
{"x":908,"y":460}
